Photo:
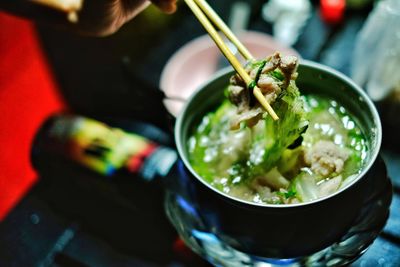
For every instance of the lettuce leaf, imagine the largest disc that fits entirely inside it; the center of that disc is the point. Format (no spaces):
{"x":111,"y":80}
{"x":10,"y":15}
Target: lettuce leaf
{"x":270,"y":142}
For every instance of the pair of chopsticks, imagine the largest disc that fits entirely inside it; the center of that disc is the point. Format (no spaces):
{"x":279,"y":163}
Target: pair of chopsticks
{"x":204,"y":12}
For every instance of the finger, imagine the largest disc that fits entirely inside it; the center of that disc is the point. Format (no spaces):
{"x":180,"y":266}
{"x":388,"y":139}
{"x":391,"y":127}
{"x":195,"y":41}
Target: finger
{"x":167,"y":6}
{"x":67,"y":6}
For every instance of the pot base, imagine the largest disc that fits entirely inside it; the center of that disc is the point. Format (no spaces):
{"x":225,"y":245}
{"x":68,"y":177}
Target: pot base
{"x":186,"y":219}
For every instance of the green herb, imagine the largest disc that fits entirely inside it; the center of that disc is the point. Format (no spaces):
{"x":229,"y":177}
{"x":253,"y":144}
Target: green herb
{"x":277,"y":74}
{"x":291,"y":193}
{"x":260,"y":68}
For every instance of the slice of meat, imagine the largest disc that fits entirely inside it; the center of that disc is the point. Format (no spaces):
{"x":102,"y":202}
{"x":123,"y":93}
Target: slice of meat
{"x":326,"y":158}
{"x":274,"y":78}
{"x":268,"y":84}
{"x":251,"y":117}
{"x":289,"y":66}
{"x":270,"y":87}
{"x":236,"y":80}
{"x":238,"y":96}
{"x":273,"y":62}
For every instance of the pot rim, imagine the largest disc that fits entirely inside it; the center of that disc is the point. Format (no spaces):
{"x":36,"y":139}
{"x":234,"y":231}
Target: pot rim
{"x":377,"y":145}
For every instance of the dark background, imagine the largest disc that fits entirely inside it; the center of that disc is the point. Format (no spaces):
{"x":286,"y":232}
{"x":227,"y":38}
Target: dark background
{"x":74,"y":217}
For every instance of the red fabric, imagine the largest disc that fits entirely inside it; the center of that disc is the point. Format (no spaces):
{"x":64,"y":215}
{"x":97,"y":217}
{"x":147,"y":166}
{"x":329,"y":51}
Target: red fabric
{"x":27,"y":97}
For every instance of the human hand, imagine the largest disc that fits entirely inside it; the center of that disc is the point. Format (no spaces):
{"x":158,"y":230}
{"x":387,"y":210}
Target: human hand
{"x":89,"y":17}
{"x":104,"y":17}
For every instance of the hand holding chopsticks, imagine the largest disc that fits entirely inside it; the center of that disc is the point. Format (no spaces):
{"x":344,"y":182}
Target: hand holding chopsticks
{"x":204,"y":12}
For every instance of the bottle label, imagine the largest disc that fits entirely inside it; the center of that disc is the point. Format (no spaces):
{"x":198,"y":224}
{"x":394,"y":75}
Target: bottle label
{"x":106,"y":150}
{"x":158,"y":163}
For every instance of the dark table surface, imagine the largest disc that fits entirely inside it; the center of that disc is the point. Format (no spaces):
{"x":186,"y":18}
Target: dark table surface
{"x":73,"y":218}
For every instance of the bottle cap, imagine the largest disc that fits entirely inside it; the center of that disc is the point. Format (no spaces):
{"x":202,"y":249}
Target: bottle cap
{"x":332,"y":11}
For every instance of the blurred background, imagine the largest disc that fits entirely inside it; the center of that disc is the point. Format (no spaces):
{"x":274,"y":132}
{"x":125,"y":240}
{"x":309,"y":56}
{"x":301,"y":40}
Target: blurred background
{"x":58,"y":213}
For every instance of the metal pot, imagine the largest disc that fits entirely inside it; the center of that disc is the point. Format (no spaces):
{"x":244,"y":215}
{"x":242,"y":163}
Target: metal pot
{"x":280,"y":231}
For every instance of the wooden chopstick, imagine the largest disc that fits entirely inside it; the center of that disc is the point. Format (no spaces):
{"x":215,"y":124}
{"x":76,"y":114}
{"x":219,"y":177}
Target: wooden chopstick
{"x":227,"y":53}
{"x":213,"y":16}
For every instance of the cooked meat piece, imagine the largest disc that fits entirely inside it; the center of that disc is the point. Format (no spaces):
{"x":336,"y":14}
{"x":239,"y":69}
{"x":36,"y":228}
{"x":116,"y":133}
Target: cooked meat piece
{"x":271,"y":87}
{"x":251,"y":117}
{"x":274,"y":77}
{"x":271,"y":97}
{"x":272,"y":62}
{"x":236,"y":80}
{"x":288,"y":66}
{"x":268,"y":85}
{"x":326,"y":158}
{"x":238,"y":95}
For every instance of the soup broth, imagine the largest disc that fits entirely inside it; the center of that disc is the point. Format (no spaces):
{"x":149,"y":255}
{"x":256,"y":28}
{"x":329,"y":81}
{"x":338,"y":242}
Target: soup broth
{"x":329,"y":155}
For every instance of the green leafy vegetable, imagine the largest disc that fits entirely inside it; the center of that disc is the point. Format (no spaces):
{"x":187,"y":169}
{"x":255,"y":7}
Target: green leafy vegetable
{"x":278,"y":75}
{"x":271,"y":141}
{"x":291,"y":193}
{"x":257,"y":150}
